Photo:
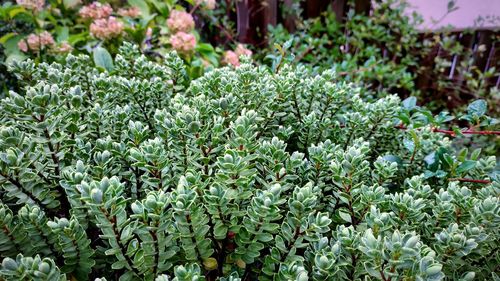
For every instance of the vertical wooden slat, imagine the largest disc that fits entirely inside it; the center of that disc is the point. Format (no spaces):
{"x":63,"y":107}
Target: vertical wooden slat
{"x":289,"y":20}
{"x":253,"y":18}
{"x":314,"y":8}
{"x":243,"y":23}
{"x":362,"y":6}
{"x":490,"y":56}
{"x":270,"y":12}
{"x":339,"y":9}
{"x":468,"y":41}
{"x":483,"y":41}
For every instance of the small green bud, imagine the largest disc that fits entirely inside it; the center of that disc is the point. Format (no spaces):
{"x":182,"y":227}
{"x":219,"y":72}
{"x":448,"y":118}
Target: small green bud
{"x":469,"y":276}
{"x":9,"y":264}
{"x":44,"y":267}
{"x":137,"y":208}
{"x":210,"y":264}
{"x":96,"y":195}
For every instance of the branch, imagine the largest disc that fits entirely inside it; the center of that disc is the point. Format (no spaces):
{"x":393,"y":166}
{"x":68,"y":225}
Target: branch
{"x":466,"y":132}
{"x":453,"y":133}
{"x":470,"y":180}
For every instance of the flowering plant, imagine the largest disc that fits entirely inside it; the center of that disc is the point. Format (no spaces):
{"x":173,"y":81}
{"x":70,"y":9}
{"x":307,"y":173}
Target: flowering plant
{"x":58,"y":27}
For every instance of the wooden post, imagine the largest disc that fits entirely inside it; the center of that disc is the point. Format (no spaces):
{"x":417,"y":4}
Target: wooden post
{"x":314,"y":8}
{"x":363,"y":7}
{"x":339,"y":9}
{"x":243,"y":23}
{"x":289,"y":20}
{"x":270,"y":9}
{"x":253,"y":18}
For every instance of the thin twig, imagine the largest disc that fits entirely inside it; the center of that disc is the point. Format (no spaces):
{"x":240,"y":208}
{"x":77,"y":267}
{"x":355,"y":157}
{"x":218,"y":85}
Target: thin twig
{"x":454,"y":134}
{"x":470,"y":180}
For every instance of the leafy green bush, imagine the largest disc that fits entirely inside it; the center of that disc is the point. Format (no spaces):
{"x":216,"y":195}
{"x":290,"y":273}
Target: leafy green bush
{"x":385,"y":52}
{"x":245,"y":174}
{"x":377,"y":50}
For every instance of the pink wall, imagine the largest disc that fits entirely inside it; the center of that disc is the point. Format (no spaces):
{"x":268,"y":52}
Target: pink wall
{"x":468,"y":11}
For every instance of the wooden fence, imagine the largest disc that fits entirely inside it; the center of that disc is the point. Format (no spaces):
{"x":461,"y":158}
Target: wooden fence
{"x":253,"y":16}
{"x":481,"y":48}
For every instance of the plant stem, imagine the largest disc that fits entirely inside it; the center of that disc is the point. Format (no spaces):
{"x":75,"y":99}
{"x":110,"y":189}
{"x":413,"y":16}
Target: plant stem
{"x":468,"y":131}
{"x":470,"y":180}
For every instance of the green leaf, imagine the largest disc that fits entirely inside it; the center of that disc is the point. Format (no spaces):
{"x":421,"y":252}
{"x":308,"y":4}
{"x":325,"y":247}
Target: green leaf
{"x":161,"y":7}
{"x":430,"y":158}
{"x":18,"y":10}
{"x":393,"y":158}
{"x":76,"y":38}
{"x":475,"y":154}
{"x":142,"y":5}
{"x":410,"y":103}
{"x":6,"y":37}
{"x":451,"y":4}
{"x":466,"y":166}
{"x":11,"y":44}
{"x":409,"y":144}
{"x":477,"y":108}
{"x":15,"y":57}
{"x":62,"y":33}
{"x":204,"y":48}
{"x":345,"y":216}
{"x":462,"y":154}
{"x":103,"y":59}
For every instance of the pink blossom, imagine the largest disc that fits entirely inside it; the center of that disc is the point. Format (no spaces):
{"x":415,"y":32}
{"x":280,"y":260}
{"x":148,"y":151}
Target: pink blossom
{"x":183,"y":42}
{"x":180,"y":21}
{"x":46,"y":38}
{"x":37,"y":42}
{"x":242,"y":51}
{"x":149,"y":32}
{"x":65,"y":47}
{"x":35,"y":5}
{"x":34,"y":42}
{"x":132,"y":12}
{"x":106,"y":28}
{"x":230,"y":58}
{"x":22,"y":45}
{"x":96,"y":10}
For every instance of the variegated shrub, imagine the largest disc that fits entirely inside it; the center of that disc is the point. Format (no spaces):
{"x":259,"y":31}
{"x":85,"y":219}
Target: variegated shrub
{"x":244,"y":174}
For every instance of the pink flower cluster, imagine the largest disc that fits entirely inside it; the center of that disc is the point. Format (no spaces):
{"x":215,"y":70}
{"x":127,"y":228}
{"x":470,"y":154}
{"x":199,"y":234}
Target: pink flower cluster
{"x":230,"y":58}
{"x":96,"y":10}
{"x":36,"y":42}
{"x":183,"y":42}
{"x":106,"y":28}
{"x":35,"y":5}
{"x":180,"y":21}
{"x":44,"y":40}
{"x":132,"y":12}
{"x":64,"y":47}
{"x":233,"y":57}
{"x":241,"y":50}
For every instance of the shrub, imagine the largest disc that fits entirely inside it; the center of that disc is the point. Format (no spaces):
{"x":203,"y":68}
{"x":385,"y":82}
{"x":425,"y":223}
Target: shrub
{"x":246,"y":174}
{"x":387,"y":53}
